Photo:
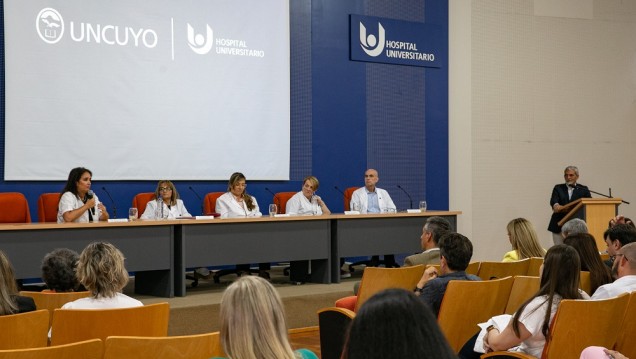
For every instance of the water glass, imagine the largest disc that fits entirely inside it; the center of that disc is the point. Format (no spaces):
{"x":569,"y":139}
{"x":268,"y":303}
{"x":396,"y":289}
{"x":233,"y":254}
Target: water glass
{"x":273,"y":209}
{"x":355,"y":207}
{"x":422,"y":206}
{"x":132,"y":214}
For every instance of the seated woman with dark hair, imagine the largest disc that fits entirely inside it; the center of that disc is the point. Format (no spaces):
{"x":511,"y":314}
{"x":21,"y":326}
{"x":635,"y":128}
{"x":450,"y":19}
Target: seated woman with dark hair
{"x":101,"y":270}
{"x":395,"y":324}
{"x":10,"y":301}
{"x":591,"y":261}
{"x":58,"y":270}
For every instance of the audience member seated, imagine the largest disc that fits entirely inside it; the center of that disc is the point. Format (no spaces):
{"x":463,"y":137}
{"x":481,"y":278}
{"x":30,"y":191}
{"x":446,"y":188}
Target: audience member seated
{"x":77,"y":202}
{"x":526,"y":330}
{"x":455,"y":252}
{"x":625,"y":270}
{"x":601,"y":353}
{"x":591,"y":261}
{"x":253,"y":323}
{"x":616,"y":237}
{"x":306,"y":202}
{"x":524,"y":241}
{"x":434,"y":228}
{"x":395,"y":324}
{"x":10,"y":301}
{"x":620,"y":220}
{"x":171,"y":205}
{"x":574,"y":226}
{"x":58,"y":270}
{"x":101,"y":270}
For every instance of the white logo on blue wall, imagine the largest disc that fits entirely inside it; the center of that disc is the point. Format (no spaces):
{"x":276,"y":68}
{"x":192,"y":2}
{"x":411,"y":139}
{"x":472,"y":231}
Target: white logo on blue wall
{"x":370,"y":44}
{"x":198,"y":43}
{"x":49,"y":25}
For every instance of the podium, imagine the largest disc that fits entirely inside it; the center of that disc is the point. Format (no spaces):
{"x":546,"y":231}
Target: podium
{"x":596,"y":212}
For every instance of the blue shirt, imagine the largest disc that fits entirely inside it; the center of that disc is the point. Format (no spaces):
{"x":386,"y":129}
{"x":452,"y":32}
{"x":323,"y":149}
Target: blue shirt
{"x":373,"y":206}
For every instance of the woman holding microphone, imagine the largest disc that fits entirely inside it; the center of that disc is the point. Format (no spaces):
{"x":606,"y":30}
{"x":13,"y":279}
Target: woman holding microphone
{"x":77,"y":201}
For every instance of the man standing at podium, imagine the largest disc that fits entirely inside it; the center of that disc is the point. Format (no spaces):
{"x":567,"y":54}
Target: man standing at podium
{"x":562,"y":194}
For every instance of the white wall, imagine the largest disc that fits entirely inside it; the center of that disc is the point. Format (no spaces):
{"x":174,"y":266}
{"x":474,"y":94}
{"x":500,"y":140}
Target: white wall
{"x":536,"y":86}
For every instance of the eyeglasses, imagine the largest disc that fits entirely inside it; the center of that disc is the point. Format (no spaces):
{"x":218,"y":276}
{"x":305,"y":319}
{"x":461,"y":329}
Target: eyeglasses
{"x":165,"y":189}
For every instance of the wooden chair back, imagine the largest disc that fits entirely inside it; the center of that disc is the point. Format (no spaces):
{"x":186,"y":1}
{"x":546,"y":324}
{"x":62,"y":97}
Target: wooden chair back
{"x":53,"y":300}
{"x":333,"y":324}
{"x":626,"y":344}
{"x":585,"y":282}
{"x":47,"y":207}
{"x":73,"y":325}
{"x":533,"y":266}
{"x":89,"y":349}
{"x":579,"y":324}
{"x":473,"y":268}
{"x":523,"y":288}
{"x":605,"y":256}
{"x":24,"y":330}
{"x":493,"y":270}
{"x":376,"y":279}
{"x":468,"y":303}
{"x":199,"y":346}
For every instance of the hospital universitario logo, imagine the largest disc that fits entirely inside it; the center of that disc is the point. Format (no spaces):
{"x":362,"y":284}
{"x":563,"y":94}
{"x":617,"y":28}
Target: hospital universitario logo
{"x":49,"y":25}
{"x":370,"y":44}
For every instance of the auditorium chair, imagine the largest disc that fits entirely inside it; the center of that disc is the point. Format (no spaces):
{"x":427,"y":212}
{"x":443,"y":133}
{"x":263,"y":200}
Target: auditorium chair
{"x":585,"y":282}
{"x":534,"y":265}
{"x":280,"y":200}
{"x":24,"y":330}
{"x":467,"y":303}
{"x":473,"y":267}
{"x":47,"y":207}
{"x":15,"y":208}
{"x":494,"y":270}
{"x":198,"y":346}
{"x":73,"y":325}
{"x":625,"y":343}
{"x":333,"y":324}
{"x":209,"y":203}
{"x":577,"y":325}
{"x":89,"y":349}
{"x":347,"y":197}
{"x":376,"y":279}
{"x":523,"y":288}
{"x":53,"y":300}
{"x":141,"y":200}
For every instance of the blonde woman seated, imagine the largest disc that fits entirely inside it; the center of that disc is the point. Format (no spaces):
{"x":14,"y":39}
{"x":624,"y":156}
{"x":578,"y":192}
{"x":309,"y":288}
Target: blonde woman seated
{"x":10,"y":301}
{"x":306,"y":202}
{"x":524,"y":241}
{"x":253,"y":323}
{"x":101,"y":270}
{"x":167,"y":205}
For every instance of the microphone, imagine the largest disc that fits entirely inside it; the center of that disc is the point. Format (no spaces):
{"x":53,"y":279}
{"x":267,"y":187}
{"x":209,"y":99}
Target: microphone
{"x":410,"y":199}
{"x":576,"y":185}
{"x":89,"y":195}
{"x":199,"y":197}
{"x":111,"y":200}
{"x":339,"y":190}
{"x":275,"y":199}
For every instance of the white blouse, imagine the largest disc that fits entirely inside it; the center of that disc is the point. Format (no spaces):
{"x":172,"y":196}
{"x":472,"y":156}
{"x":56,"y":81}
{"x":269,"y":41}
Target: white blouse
{"x":299,"y":204}
{"x":228,"y":207}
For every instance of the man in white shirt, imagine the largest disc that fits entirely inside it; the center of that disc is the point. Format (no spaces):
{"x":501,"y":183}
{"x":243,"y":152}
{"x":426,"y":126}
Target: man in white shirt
{"x":625,"y":268}
{"x":371,"y":199}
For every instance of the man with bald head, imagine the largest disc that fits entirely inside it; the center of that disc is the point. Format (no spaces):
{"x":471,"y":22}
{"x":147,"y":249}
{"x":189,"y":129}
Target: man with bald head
{"x":625,"y":270}
{"x":371,"y":199}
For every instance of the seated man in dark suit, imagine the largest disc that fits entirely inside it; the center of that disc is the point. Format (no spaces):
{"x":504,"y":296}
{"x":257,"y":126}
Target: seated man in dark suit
{"x":562,"y":194}
{"x":434,"y":228}
{"x":455,"y":253}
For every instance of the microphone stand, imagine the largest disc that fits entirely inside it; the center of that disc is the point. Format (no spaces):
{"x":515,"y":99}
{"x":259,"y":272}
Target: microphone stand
{"x":275,"y":199}
{"x":600,"y":194}
{"x":113,"y":202}
{"x":199,"y":197}
{"x":410,"y":199}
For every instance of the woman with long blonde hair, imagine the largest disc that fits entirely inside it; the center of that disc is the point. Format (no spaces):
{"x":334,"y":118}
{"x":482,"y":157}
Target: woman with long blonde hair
{"x":253,"y":324}
{"x":524,"y":241}
{"x":10,"y":301}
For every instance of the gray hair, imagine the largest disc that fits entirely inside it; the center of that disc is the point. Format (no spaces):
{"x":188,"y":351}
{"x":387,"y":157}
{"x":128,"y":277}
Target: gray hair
{"x":572,"y":168}
{"x":574,"y":226}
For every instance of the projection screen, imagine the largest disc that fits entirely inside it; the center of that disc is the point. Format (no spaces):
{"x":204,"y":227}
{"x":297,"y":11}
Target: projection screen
{"x":142,"y":90}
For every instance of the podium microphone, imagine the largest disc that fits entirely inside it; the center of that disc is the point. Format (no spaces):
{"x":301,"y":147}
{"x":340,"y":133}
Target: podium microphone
{"x":407,"y":194}
{"x":275,"y":199}
{"x":200,"y":199}
{"x":111,"y":200}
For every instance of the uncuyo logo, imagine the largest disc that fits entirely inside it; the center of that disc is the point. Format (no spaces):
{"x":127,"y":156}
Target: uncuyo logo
{"x":370,"y":44}
{"x":49,"y":25}
{"x":198,"y":43}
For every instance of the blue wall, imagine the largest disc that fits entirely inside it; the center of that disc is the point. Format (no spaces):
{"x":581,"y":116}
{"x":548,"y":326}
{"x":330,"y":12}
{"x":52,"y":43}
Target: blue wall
{"x":345,"y":116}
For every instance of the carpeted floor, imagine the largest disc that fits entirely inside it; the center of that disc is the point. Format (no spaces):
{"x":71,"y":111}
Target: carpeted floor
{"x":198,"y":311}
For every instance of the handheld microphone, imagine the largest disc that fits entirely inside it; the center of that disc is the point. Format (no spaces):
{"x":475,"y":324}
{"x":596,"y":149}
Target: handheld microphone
{"x":410,"y":199}
{"x":89,"y":195}
{"x":199,"y":197}
{"x":111,"y":200}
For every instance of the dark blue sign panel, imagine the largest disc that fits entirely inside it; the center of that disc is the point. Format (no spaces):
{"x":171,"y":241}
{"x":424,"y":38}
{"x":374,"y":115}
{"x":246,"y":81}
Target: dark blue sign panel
{"x":377,"y":39}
